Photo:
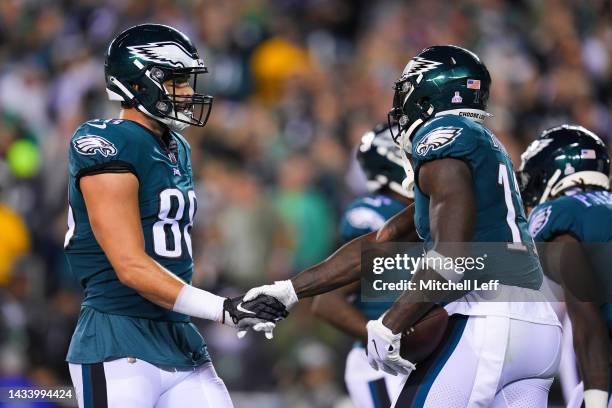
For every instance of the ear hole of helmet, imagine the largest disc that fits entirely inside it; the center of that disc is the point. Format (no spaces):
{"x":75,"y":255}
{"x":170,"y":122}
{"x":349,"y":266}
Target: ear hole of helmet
{"x":424,"y":105}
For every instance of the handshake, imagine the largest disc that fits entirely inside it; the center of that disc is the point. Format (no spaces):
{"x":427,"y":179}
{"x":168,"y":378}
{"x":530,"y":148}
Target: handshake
{"x":260,"y":308}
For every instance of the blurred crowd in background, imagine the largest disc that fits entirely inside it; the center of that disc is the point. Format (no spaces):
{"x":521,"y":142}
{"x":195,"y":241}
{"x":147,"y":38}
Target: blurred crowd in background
{"x":296,"y":84}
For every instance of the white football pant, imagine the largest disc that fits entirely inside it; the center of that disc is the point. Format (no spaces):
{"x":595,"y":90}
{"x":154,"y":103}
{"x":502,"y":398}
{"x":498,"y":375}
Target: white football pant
{"x":132,"y":383}
{"x":486,"y":361}
{"x":367,"y":387}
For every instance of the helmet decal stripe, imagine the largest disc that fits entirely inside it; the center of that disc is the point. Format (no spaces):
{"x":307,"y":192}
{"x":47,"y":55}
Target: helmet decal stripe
{"x":418,"y":66}
{"x":535,"y":147}
{"x":165,"y":52}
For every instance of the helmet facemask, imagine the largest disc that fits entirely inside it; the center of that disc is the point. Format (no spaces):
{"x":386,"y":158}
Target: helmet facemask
{"x":179,"y":110}
{"x":403,"y":125}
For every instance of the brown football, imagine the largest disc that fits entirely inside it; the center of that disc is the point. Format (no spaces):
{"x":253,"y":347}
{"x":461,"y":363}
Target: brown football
{"x":422,"y":339}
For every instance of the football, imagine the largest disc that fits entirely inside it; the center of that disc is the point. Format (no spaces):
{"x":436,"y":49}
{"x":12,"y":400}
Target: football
{"x":421,"y":340}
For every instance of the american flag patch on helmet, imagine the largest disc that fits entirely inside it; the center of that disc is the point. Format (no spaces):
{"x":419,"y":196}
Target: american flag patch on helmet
{"x":473,"y":83}
{"x":587,"y":154}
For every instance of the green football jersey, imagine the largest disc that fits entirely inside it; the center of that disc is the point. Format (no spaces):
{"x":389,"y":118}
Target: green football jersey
{"x":500,"y":217}
{"x":587,"y":216}
{"x":115,"y":320}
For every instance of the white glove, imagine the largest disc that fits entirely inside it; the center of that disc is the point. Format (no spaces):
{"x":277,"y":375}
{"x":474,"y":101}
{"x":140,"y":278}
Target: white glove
{"x":281,"y":290}
{"x":384,"y":349}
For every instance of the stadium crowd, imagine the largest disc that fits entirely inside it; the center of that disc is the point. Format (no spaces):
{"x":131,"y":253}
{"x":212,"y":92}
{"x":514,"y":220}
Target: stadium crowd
{"x":296,"y":84}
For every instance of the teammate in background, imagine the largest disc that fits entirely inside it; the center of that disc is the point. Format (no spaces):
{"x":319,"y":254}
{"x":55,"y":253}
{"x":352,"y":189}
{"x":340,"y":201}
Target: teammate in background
{"x":465,"y":191}
{"x":564,"y":174}
{"x":381,"y":162}
{"x":131,"y":210}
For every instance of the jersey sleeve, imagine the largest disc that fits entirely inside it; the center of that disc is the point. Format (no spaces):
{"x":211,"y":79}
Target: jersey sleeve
{"x":102,"y":147}
{"x":549,"y":220}
{"x":358,"y":221}
{"x":447,"y":139}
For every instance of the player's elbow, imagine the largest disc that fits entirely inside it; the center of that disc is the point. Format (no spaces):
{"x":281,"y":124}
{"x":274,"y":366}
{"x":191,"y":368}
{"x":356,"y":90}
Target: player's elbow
{"x":130,"y":270}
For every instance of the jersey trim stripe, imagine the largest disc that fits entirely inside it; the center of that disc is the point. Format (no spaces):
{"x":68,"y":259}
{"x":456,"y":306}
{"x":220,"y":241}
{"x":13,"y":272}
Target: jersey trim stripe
{"x":417,"y":386}
{"x":94,"y":386}
{"x":380,"y":396}
{"x":114,"y":166}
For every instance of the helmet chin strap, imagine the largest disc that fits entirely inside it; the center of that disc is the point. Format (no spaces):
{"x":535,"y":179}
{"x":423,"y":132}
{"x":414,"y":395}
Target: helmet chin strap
{"x":173,"y":124}
{"x":549,"y":186}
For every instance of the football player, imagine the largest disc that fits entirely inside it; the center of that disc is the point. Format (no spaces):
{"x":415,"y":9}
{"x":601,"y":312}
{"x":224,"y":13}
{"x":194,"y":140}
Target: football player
{"x":564,"y":174}
{"x":131,"y":211}
{"x":390,"y":191}
{"x":465,"y":191}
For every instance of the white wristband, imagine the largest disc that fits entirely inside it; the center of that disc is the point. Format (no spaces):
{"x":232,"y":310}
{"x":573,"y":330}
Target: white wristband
{"x":199,"y":303}
{"x":595,"y":399}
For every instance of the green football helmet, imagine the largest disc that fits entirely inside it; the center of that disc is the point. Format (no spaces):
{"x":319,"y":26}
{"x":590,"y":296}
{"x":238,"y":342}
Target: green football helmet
{"x":138,"y":63}
{"x":384,"y":164}
{"x":443,"y":79}
{"x":563,"y":157}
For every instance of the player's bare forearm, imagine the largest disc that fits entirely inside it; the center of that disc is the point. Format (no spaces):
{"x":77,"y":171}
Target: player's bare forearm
{"x":590,"y":343}
{"x":112,"y":207}
{"x":567,"y":261}
{"x":341,"y":268}
{"x":344,"y":265}
{"x":151,"y":280}
{"x":335,"y":308}
{"x":448,"y":184}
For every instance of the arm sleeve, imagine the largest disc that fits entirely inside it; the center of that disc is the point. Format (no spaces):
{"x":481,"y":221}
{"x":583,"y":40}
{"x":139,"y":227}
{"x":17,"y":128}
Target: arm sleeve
{"x":457,"y":141}
{"x":551,"y":219}
{"x":95,"y":151}
{"x":445,"y":141}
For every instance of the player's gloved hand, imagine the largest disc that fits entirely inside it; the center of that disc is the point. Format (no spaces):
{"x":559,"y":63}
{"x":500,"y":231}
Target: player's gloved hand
{"x":259,"y":314}
{"x":384,"y":349}
{"x":281,"y":290}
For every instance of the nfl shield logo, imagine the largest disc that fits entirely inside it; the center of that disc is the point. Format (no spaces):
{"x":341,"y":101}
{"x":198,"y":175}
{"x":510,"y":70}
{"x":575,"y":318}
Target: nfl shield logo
{"x":457,"y":98}
{"x":473,"y":84}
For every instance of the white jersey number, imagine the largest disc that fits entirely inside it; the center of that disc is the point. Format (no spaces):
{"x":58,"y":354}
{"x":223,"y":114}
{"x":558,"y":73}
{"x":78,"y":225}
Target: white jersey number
{"x":503,"y":178}
{"x":167,"y":232}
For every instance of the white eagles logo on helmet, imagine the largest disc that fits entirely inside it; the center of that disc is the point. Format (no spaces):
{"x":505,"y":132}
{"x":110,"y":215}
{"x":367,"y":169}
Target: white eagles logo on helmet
{"x":538,"y":220}
{"x":418,"y":66}
{"x":165,"y":52}
{"x":90,"y":145}
{"x":437,"y":139}
{"x":535,"y":147}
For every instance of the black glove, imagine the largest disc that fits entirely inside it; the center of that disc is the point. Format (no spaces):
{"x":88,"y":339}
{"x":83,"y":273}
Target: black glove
{"x":262,"y":308}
